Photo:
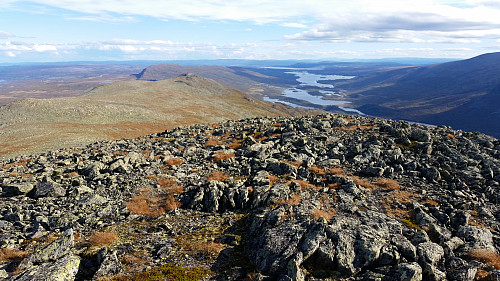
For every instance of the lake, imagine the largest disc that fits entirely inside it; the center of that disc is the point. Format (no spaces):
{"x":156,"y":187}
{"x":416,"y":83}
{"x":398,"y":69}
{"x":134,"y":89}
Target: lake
{"x":312,"y":80}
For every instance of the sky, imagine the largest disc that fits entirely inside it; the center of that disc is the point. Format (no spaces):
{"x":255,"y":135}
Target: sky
{"x":101,"y":30}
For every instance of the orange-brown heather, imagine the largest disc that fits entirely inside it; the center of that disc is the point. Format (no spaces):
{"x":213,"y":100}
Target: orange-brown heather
{"x":99,"y":239}
{"x":486,"y":256}
{"x":218,"y":156}
{"x":10,"y":254}
{"x":218,"y":176}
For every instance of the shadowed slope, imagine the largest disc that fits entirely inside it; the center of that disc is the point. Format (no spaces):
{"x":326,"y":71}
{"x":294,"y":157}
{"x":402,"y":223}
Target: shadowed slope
{"x":437,"y":94}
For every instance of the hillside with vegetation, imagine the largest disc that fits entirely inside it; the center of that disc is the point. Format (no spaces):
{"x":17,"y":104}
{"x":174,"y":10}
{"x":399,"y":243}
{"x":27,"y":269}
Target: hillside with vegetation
{"x":124,"y":109}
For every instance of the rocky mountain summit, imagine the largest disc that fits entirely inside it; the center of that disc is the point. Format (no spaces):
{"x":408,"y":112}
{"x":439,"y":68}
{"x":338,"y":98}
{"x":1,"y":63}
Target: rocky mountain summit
{"x":327,"y":197}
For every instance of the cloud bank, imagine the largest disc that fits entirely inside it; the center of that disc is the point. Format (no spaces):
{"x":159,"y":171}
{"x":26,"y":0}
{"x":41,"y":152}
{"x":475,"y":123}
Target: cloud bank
{"x":310,"y":28}
{"x":355,"y":19}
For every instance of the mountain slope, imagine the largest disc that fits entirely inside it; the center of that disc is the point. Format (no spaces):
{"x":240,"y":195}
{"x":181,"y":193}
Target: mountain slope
{"x":238,"y":78}
{"x":123,"y":110}
{"x":434,"y":93}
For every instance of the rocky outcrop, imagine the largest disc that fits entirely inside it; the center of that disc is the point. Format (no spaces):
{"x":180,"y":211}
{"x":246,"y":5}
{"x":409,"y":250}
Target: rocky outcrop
{"x":307,"y":198}
{"x":53,"y":262}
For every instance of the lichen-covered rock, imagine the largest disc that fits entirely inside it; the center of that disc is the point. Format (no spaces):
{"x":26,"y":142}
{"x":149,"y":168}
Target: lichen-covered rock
{"x":408,"y":272}
{"x":430,"y":255}
{"x":460,"y":270}
{"x":52,"y":252}
{"x":48,"y":189}
{"x":477,"y":237}
{"x":430,"y":252}
{"x":273,"y":244}
{"x":109,"y":264}
{"x":16,"y":189}
{"x":63,"y":269}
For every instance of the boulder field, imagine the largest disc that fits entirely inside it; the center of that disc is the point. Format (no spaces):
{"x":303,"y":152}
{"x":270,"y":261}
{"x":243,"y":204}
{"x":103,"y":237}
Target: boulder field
{"x":326,"y":197}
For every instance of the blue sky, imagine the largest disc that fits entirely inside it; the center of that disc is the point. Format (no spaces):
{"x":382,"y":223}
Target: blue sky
{"x":70,"y":30}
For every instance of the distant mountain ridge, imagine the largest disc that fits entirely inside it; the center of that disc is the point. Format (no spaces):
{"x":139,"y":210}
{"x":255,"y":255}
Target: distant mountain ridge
{"x":240,"y":79}
{"x":463,"y":94}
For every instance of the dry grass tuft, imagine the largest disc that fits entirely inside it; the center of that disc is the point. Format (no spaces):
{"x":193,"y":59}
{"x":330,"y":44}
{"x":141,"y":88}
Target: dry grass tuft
{"x":362,"y":182}
{"x":213,"y":142}
{"x":218,"y":176}
{"x":170,"y":203}
{"x":99,"y":239}
{"x":219,"y":156}
{"x":335,"y":171}
{"x":173,"y":161}
{"x":306,"y":184}
{"x":294,"y":200}
{"x":353,"y":128}
{"x":317,"y":170}
{"x":150,"y":204}
{"x":389,"y":184}
{"x":403,"y":196}
{"x":486,"y":256}
{"x":326,"y":214}
{"x":430,"y":202}
{"x":482,"y":275}
{"x":21,"y":163}
{"x":206,"y":248}
{"x":143,"y":205}
{"x":272,"y":179}
{"x":234,"y":144}
{"x":166,"y":181}
{"x":333,"y":185}
{"x":170,"y":185}
{"x":9,"y":254}
{"x":72,"y":174}
{"x":135,"y":261}
{"x":296,"y":164}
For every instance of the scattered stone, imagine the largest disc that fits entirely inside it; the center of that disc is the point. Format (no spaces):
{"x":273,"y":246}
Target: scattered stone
{"x":16,"y":189}
{"x":109,"y":264}
{"x":52,"y":252}
{"x":303,"y":197}
{"x":48,"y":189}
{"x":408,"y":272}
{"x":63,"y":269}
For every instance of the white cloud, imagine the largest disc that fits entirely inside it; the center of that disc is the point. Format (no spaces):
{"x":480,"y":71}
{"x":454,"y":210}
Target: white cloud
{"x":4,"y":35}
{"x":261,"y":11}
{"x":44,"y":48}
{"x":129,"y":49}
{"x":406,"y":25}
{"x":493,"y":4}
{"x":105,"y":18}
{"x":16,"y":48}
{"x":337,"y":20}
{"x":294,"y":25}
